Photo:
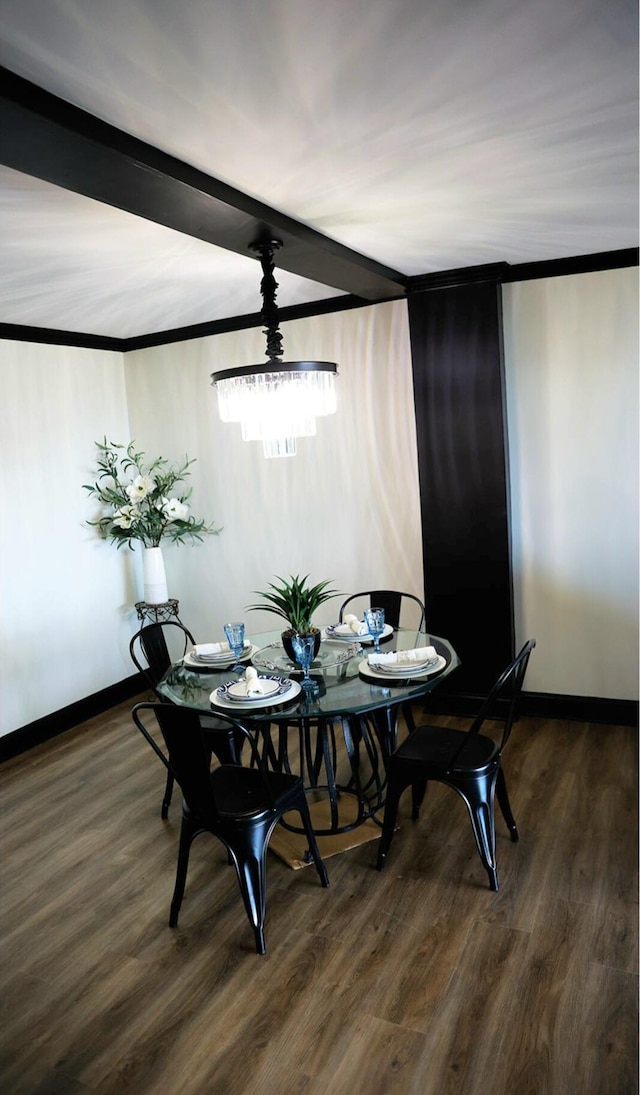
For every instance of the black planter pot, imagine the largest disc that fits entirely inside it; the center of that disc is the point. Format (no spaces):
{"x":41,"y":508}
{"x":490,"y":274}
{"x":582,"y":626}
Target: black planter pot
{"x":288,"y":645}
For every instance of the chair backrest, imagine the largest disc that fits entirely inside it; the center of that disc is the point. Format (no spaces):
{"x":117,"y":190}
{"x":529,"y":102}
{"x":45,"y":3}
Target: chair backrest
{"x":503,"y":700}
{"x":393,"y":602}
{"x":188,"y":743}
{"x":151,"y":643}
{"x":500,"y":705}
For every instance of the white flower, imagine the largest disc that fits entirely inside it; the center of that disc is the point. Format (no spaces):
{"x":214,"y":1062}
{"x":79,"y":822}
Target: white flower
{"x":174,"y":509}
{"x":141,"y":486}
{"x":125,"y":516}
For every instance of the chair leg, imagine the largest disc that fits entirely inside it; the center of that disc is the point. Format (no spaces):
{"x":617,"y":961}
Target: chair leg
{"x":187,"y":833}
{"x":228,"y":749}
{"x":408,"y":717}
{"x":418,"y":790}
{"x":394,"y":791}
{"x":236,"y":745}
{"x":251,"y":869}
{"x":166,"y":801}
{"x":505,"y":806}
{"x":479,"y":802}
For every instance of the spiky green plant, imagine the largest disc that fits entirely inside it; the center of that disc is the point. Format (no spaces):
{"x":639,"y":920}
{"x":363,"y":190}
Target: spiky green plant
{"x":293,"y":600}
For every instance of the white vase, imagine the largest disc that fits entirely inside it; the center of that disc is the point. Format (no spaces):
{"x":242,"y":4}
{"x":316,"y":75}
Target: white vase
{"x":154,"y":576}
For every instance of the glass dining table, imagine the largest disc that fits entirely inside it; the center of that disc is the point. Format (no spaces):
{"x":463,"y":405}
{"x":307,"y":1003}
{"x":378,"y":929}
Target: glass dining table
{"x":337,"y":738}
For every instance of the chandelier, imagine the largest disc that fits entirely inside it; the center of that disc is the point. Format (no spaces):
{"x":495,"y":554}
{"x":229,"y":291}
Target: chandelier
{"x":280,"y":400}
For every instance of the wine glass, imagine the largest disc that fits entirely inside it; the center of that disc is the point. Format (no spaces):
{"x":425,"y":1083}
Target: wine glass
{"x":374,"y":619}
{"x":304,"y":650}
{"x":235,"y":638}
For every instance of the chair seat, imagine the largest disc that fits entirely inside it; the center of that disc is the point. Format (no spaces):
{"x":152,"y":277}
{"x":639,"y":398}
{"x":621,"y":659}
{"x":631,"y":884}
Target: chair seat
{"x":241,"y":792}
{"x":438,"y":745}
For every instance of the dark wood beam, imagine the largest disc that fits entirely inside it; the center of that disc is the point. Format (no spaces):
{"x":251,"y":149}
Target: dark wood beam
{"x":50,"y":139}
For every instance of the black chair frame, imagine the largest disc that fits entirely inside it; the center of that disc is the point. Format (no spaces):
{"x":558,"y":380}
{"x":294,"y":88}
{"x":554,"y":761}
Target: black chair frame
{"x":151,"y":642}
{"x":239,"y":805}
{"x":391,"y":601}
{"x":467,"y":761}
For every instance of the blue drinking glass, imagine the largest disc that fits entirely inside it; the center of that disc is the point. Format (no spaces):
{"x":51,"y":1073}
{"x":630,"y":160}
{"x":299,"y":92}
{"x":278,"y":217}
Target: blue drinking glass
{"x":235,"y":638}
{"x":304,"y":650}
{"x":374,"y":619}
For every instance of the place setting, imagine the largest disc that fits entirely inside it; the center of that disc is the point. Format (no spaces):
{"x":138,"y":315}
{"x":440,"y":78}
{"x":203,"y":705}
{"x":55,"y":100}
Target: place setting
{"x":399,"y":666}
{"x":229,"y":653}
{"x":255,"y":691}
{"x":372,"y":629}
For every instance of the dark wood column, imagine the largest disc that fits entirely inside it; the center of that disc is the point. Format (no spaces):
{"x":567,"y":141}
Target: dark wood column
{"x":458,"y":373}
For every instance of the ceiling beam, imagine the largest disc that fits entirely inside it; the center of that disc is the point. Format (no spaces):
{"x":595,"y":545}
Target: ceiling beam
{"x":50,"y":139}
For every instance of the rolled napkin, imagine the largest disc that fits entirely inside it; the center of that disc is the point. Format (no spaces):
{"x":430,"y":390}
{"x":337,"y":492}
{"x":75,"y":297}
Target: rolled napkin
{"x":211,"y":650}
{"x":354,"y":624}
{"x":415,"y":657}
{"x":253,"y":682}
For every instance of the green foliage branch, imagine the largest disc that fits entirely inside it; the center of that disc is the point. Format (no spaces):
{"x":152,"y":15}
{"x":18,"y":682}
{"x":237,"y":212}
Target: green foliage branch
{"x":141,"y":500}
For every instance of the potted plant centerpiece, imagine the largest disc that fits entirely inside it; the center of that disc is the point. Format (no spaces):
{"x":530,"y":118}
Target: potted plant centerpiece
{"x":295,"y":601}
{"x":143,"y":502}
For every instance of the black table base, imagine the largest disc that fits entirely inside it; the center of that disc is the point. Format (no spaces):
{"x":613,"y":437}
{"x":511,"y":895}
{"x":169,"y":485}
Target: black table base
{"x":336,"y":757}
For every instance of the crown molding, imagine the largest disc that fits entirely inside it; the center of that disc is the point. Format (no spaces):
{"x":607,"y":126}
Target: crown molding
{"x":15,"y":332}
{"x":504,"y":272}
{"x":465,"y":275}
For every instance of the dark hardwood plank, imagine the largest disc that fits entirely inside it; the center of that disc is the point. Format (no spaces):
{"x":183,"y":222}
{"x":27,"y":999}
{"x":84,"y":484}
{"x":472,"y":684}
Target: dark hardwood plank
{"x":416,"y":980}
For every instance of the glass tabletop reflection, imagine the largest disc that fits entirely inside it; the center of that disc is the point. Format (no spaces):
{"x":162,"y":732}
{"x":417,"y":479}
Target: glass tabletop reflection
{"x":345,"y":686}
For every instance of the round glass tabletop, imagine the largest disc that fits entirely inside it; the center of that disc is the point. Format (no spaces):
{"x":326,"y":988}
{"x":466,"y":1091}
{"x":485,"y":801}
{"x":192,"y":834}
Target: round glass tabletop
{"x":343,"y":685}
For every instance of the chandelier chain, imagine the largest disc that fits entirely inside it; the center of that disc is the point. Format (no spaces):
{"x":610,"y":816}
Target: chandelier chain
{"x":269,"y":313}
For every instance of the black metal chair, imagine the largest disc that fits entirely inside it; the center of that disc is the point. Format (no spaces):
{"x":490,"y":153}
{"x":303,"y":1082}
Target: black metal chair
{"x":239,"y":805}
{"x":394,"y":604}
{"x":467,"y":761}
{"x":153,"y":655}
{"x":150,"y":649}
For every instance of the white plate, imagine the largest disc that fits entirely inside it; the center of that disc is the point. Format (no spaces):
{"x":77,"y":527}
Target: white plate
{"x":395,"y":670}
{"x":411,"y":675}
{"x":220,"y":700}
{"x":343,"y":631}
{"x":218,"y":661}
{"x":222,"y":655}
{"x":269,"y":686}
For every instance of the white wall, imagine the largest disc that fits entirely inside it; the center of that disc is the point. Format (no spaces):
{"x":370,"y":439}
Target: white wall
{"x":571,"y":349}
{"x":66,"y":600}
{"x":346,"y":507}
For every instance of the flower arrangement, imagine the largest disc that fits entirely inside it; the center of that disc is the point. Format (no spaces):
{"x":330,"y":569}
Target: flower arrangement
{"x":142,"y":501}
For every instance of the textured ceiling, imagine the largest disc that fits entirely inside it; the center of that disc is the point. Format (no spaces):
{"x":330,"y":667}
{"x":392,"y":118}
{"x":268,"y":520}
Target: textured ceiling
{"x":427,"y":135}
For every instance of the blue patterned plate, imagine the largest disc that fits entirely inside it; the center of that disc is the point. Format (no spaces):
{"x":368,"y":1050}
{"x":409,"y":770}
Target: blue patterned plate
{"x":272,"y":687}
{"x":284,"y":694}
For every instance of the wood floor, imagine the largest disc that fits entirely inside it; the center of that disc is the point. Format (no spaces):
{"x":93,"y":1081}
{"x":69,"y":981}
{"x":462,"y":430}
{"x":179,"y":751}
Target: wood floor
{"x":417,"y":980}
